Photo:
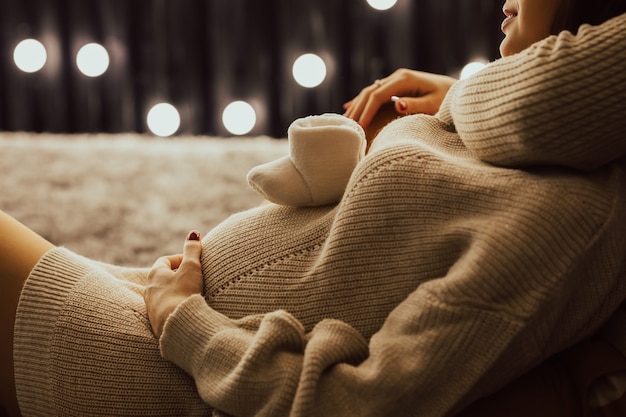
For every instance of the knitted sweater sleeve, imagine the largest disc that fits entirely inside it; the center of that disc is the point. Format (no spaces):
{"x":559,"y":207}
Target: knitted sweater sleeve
{"x":547,"y":104}
{"x":255,"y":366}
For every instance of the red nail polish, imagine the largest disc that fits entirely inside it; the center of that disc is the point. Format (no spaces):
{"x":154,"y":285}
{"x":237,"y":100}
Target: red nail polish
{"x":194,"y":236}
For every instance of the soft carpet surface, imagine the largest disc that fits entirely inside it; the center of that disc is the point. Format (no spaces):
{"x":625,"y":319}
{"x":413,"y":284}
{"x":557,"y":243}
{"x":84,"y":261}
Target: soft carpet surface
{"x":127,"y":199}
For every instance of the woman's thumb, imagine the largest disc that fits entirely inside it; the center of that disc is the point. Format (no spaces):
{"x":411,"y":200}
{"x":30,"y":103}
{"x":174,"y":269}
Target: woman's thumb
{"x":193,"y":246}
{"x":416,"y":105}
{"x":400,"y":104}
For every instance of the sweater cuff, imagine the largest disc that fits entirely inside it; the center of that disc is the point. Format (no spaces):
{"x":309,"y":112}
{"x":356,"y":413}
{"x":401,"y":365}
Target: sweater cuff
{"x":188,"y":329}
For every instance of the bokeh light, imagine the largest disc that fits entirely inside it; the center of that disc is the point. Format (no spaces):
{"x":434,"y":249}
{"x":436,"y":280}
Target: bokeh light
{"x":309,"y":70}
{"x":472,"y":68}
{"x":92,"y":60}
{"x":239,"y":118}
{"x":382,"y":4}
{"x":30,"y":55}
{"x":163,"y":119}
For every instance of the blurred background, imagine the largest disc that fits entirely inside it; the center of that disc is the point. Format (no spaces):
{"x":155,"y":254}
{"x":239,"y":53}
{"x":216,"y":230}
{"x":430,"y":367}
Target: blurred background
{"x":219,"y":67}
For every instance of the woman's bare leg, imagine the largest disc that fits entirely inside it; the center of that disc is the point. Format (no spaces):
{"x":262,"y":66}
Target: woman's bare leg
{"x":20,"y":250}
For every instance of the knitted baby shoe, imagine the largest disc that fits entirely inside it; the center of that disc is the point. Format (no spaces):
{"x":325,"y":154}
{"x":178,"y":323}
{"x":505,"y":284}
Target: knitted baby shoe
{"x":323,"y":151}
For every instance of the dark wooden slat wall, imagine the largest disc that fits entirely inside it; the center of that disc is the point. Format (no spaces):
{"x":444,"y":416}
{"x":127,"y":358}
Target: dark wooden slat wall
{"x":201,"y":54}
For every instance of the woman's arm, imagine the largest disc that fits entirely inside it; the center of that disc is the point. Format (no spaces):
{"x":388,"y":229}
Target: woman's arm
{"x":262,"y":365}
{"x":560,"y":102}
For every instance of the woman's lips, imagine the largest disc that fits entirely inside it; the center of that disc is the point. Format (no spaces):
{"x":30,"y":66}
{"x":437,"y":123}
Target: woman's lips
{"x":510,"y":15}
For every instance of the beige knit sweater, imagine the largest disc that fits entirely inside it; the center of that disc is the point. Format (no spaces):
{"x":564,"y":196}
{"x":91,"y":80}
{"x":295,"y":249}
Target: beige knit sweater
{"x":468,"y":247}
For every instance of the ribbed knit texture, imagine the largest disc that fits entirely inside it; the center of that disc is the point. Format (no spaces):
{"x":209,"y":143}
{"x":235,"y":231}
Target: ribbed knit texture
{"x":83,"y":345}
{"x":461,"y":255}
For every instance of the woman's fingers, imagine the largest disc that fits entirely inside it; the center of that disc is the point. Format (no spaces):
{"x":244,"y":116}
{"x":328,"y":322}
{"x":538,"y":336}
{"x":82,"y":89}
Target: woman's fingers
{"x":416,"y":92}
{"x":364,"y":107}
{"x":170,"y":262}
{"x":373,"y":103}
{"x":173,"y":279}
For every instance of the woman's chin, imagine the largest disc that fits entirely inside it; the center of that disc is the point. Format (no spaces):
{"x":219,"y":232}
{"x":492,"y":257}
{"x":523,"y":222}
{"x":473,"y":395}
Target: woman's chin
{"x":506,"y":49}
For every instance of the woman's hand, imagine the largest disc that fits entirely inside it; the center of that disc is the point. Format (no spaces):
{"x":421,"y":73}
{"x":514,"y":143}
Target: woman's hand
{"x":172,"y":280}
{"x":417,"y":92}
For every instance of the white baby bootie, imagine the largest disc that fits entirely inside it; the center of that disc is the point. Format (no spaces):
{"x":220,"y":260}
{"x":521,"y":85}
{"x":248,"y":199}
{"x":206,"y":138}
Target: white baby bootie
{"x":323,"y":151}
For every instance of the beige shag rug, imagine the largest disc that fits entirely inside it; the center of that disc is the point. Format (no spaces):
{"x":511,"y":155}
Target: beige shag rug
{"x":127,"y":199}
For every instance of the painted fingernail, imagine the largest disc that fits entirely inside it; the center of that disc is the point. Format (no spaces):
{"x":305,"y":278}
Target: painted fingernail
{"x":193,"y":236}
{"x":402,"y":105}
